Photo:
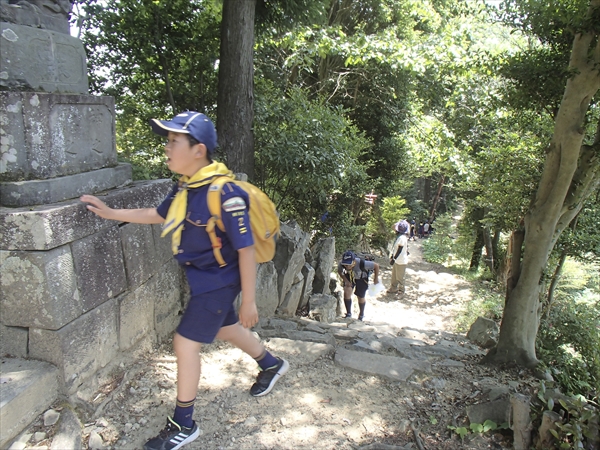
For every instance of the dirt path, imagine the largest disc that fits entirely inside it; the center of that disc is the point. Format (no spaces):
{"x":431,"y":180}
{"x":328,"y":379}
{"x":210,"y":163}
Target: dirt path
{"x":319,"y":404}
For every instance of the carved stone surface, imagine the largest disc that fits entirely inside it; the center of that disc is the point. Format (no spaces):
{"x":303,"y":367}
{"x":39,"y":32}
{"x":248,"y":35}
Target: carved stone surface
{"x":101,"y":250}
{"x":40,"y":60}
{"x":44,"y":192}
{"x":46,"y":14}
{"x":50,"y":135}
{"x":80,"y":348}
{"x":39,"y":289}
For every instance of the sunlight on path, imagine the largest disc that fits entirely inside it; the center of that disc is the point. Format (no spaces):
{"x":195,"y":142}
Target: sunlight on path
{"x":433,"y":296}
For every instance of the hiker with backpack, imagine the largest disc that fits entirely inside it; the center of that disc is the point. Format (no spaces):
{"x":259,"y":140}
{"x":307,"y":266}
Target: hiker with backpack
{"x":354,"y":272}
{"x":210,"y":313}
{"x":399,"y":259}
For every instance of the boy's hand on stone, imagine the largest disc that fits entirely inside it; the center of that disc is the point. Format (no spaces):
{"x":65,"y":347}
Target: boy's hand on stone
{"x":96,"y":205}
{"x":248,"y":315}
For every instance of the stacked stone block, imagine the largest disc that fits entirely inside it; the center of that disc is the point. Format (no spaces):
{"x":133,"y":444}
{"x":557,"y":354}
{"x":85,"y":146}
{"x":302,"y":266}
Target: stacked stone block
{"x":80,"y":298}
{"x":77,"y":291}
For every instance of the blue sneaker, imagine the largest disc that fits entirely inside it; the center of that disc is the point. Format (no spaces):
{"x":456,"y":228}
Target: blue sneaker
{"x":173,"y":436}
{"x":266,"y":379}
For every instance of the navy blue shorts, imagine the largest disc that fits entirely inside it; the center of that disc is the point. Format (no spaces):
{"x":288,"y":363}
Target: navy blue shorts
{"x":360,"y":286}
{"x":207,"y":313}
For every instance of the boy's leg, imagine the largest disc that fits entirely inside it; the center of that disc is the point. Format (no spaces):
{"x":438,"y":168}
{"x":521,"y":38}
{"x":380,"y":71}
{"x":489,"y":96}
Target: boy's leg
{"x":360,"y":291}
{"x":361,"y":306}
{"x":271,"y":368}
{"x":188,"y":366}
{"x":181,"y":429}
{"x":348,"y":297}
{"x":242,"y":338}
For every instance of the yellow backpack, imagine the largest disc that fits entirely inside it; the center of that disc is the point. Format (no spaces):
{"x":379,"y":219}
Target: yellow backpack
{"x":264,"y":219}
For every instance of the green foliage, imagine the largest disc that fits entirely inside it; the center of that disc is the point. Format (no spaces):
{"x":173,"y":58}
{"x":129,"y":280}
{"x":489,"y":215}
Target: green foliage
{"x":142,"y":57}
{"x":583,"y":242}
{"x":486,"y":300}
{"x":578,"y":424}
{"x":568,"y":341}
{"x":488,"y":425}
{"x":307,"y":156}
{"x":461,"y":431}
{"x":380,"y":223}
{"x":438,"y":247}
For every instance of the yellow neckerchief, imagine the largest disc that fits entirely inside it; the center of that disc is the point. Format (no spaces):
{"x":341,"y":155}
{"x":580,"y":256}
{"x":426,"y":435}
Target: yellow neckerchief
{"x":177,"y":210}
{"x":350,"y":273}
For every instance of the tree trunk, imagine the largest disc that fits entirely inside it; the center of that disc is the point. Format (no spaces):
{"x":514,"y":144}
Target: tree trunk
{"x":235,"y":105}
{"x":436,"y":198}
{"x":496,"y":250}
{"x":489,"y":252}
{"x":554,"y":282}
{"x":476,"y":216}
{"x":563,"y":188}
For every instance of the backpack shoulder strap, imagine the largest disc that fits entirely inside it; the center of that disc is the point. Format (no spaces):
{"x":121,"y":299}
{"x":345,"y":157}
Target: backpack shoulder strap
{"x":361,"y":264}
{"x":214,"y":206}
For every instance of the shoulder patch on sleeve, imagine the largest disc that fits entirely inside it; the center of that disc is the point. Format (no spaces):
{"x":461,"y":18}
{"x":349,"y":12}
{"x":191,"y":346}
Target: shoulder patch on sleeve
{"x":234,"y":204}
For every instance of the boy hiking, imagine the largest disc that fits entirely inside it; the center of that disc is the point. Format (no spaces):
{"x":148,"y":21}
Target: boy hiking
{"x":354,"y":272}
{"x":210,"y":313}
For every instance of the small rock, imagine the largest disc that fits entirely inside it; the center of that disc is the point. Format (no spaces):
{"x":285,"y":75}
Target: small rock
{"x":404,"y":426}
{"x":95,"y":442}
{"x":51,"y":417}
{"x":250,"y":421}
{"x":39,"y":436}
{"x":102,"y":422}
{"x":283,"y":421}
{"x":127,"y":426}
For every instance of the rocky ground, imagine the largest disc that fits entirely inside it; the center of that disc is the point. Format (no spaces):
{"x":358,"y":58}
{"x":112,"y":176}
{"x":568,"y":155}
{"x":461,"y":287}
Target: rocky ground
{"x":398,"y":380}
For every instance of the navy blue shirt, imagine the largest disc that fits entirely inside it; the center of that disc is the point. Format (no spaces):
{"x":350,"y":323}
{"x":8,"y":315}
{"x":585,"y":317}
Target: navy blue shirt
{"x":195,"y":250}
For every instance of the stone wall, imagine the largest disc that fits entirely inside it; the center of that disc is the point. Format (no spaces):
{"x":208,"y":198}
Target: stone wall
{"x":78,"y":290}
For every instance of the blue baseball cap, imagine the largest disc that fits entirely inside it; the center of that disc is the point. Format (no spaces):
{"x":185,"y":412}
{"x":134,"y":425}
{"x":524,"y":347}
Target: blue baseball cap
{"x":348,"y":258}
{"x":193,"y":123}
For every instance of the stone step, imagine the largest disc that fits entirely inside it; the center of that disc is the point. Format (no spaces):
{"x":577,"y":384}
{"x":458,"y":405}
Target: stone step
{"x":27,"y":389}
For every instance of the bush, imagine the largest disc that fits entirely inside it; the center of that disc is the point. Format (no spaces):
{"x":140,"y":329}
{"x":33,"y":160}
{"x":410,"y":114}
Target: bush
{"x":568,"y":342}
{"x":487,"y":300}
{"x":380,"y":224}
{"x":307,"y":156}
{"x":438,"y":247}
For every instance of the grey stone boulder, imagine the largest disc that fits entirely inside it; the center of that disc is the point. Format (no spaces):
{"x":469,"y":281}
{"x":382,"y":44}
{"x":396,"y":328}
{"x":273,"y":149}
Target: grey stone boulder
{"x":497,"y":411}
{"x":323,"y":307}
{"x":267,"y":296}
{"x":289,"y":256}
{"x":324,"y":251}
{"x":483,"y":332}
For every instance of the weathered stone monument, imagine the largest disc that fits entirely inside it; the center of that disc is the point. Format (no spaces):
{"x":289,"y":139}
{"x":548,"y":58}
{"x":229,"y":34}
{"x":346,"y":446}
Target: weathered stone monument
{"x":77,"y":292}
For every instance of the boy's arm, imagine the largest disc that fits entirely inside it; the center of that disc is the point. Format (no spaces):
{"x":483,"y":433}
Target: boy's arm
{"x":247,"y":262}
{"x":142,"y":215}
{"x":376,"y":274}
